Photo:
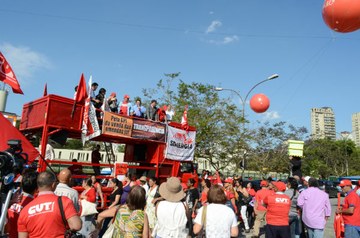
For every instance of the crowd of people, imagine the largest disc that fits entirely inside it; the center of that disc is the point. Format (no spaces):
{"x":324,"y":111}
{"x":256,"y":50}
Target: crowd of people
{"x":141,"y":207}
{"x":125,"y":107}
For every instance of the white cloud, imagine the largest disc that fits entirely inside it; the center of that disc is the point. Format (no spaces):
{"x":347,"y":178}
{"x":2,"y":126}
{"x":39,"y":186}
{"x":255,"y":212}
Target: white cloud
{"x":225,"y":40}
{"x":229,"y":39}
{"x":211,"y":13}
{"x":24,"y":61}
{"x":271,"y":115}
{"x":213,"y":26}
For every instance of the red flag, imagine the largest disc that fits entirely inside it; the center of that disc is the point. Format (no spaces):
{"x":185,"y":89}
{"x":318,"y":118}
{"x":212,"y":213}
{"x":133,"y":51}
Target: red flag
{"x":81,"y":93}
{"x":9,"y":132}
{"x":7,"y":75}
{"x":339,"y":222}
{"x":45,"y":90}
{"x":184,"y":119}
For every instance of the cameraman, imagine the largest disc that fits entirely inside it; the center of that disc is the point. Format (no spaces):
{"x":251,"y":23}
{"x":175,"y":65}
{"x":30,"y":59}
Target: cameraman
{"x":28,"y":186}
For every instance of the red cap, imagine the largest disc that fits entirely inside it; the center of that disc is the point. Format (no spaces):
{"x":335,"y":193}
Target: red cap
{"x":264,"y":183}
{"x":113,"y":94}
{"x":228,"y":180}
{"x":126,"y":96}
{"x":281,"y":186}
{"x":345,"y":182}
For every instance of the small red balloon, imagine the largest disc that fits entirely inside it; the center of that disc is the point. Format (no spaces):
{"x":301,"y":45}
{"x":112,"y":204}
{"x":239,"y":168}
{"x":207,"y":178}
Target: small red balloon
{"x":342,"y":15}
{"x":259,"y":103}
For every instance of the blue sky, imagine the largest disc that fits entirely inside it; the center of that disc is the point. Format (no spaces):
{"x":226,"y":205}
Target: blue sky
{"x":129,"y":45}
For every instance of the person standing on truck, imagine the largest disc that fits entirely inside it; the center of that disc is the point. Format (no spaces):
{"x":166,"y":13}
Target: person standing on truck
{"x":93,"y":99}
{"x":138,"y":110}
{"x":125,"y":107}
{"x":151,"y":111}
{"x":95,"y":159}
{"x":113,"y":103}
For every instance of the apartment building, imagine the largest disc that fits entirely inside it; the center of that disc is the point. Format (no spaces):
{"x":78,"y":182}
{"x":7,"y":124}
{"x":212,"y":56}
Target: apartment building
{"x":355,"y":124}
{"x":323,"y":123}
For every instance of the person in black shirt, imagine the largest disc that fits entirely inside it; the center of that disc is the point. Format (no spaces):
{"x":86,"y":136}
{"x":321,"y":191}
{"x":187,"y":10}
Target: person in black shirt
{"x":192,"y":198}
{"x":114,"y":197}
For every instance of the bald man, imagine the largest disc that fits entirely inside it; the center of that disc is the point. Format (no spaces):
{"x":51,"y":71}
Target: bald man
{"x":63,"y":188}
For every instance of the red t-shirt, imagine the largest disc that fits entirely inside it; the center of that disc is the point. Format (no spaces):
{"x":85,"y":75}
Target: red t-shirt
{"x":42,"y":217}
{"x":91,"y":195}
{"x":278,"y":207}
{"x":251,"y":192}
{"x":13,"y":215}
{"x":352,"y":200}
{"x":260,"y":196}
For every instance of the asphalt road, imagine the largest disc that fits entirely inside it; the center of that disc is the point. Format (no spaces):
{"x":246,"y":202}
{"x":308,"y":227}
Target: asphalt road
{"x":329,"y":229}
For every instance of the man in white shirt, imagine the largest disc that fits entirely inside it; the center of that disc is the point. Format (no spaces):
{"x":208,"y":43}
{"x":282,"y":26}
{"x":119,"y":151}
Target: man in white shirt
{"x":63,"y":189}
{"x":144,"y":184}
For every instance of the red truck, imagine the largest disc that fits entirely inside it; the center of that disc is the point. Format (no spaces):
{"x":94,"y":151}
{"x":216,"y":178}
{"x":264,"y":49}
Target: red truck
{"x":145,"y":140}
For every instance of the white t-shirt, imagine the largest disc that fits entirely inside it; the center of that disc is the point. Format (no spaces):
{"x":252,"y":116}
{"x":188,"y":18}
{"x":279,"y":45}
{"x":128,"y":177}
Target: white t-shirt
{"x":219,"y":220}
{"x":171,"y":220}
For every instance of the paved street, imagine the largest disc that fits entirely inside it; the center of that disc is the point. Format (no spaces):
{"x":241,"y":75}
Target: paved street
{"x":329,"y":230}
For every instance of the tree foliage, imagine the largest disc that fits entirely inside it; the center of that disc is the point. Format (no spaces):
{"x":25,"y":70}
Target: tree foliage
{"x":325,"y":157}
{"x":223,"y":140}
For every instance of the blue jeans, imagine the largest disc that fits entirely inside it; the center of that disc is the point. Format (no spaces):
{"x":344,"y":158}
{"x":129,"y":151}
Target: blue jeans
{"x":352,"y":231}
{"x":315,"y":233}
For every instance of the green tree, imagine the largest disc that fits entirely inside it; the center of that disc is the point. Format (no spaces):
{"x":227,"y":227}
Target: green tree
{"x":325,"y":157}
{"x":269,"y":149}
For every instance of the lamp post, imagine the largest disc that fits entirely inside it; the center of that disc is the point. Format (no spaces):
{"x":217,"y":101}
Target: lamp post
{"x":243,"y":101}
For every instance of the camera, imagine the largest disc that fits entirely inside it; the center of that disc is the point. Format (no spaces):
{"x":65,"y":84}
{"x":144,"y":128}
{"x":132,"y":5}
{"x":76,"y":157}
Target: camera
{"x":12,"y":161}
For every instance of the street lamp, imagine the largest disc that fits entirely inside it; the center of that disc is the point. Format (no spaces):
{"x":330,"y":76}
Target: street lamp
{"x":243,"y":101}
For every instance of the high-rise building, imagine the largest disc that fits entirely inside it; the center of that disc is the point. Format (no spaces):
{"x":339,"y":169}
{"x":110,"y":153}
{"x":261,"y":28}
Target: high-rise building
{"x":323,"y":123}
{"x":355,"y":124}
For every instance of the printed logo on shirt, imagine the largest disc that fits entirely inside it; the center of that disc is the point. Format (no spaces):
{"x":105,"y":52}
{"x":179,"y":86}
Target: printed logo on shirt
{"x":16,"y":208}
{"x":281,"y":200}
{"x":41,"y":208}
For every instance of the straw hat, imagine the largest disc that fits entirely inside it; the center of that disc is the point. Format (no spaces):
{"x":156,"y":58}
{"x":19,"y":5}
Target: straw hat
{"x":171,"y":190}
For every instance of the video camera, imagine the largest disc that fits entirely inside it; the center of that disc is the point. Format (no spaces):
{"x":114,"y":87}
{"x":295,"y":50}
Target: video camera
{"x":12,"y":162}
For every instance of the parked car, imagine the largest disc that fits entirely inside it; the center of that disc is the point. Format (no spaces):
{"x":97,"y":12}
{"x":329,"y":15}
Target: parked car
{"x":329,"y":187}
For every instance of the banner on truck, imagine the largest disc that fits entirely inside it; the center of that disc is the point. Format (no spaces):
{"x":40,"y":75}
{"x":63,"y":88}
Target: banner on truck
{"x":180,"y":144}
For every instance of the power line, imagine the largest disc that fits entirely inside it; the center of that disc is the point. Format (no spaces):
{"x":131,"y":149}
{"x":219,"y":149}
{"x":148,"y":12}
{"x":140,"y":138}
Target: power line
{"x":166,"y":28}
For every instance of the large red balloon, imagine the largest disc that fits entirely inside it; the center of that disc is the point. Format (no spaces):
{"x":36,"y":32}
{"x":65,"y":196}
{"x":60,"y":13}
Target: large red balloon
{"x":259,"y":103}
{"x":342,"y":15}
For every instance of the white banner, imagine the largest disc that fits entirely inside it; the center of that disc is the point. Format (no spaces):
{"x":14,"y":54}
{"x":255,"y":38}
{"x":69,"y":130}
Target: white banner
{"x":180,"y":144}
{"x":90,"y":127}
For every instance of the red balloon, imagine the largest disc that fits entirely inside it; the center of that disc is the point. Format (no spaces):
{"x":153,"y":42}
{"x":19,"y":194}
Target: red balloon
{"x":342,"y":15}
{"x":259,"y":103}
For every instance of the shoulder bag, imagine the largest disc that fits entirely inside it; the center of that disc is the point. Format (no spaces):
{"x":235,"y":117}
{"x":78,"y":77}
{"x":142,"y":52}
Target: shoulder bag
{"x":110,"y":230}
{"x":88,"y":208}
{"x":68,"y":233}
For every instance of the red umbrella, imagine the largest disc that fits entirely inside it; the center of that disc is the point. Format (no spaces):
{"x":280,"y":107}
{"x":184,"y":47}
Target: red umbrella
{"x":339,"y":222}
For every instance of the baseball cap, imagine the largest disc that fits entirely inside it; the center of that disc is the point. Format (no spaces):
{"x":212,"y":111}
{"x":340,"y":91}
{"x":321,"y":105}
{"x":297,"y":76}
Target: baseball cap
{"x":113,"y":94}
{"x":126,"y":96}
{"x":228,"y":180}
{"x":281,"y":186}
{"x":307,"y":178}
{"x":263,"y":183}
{"x":345,"y":182}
